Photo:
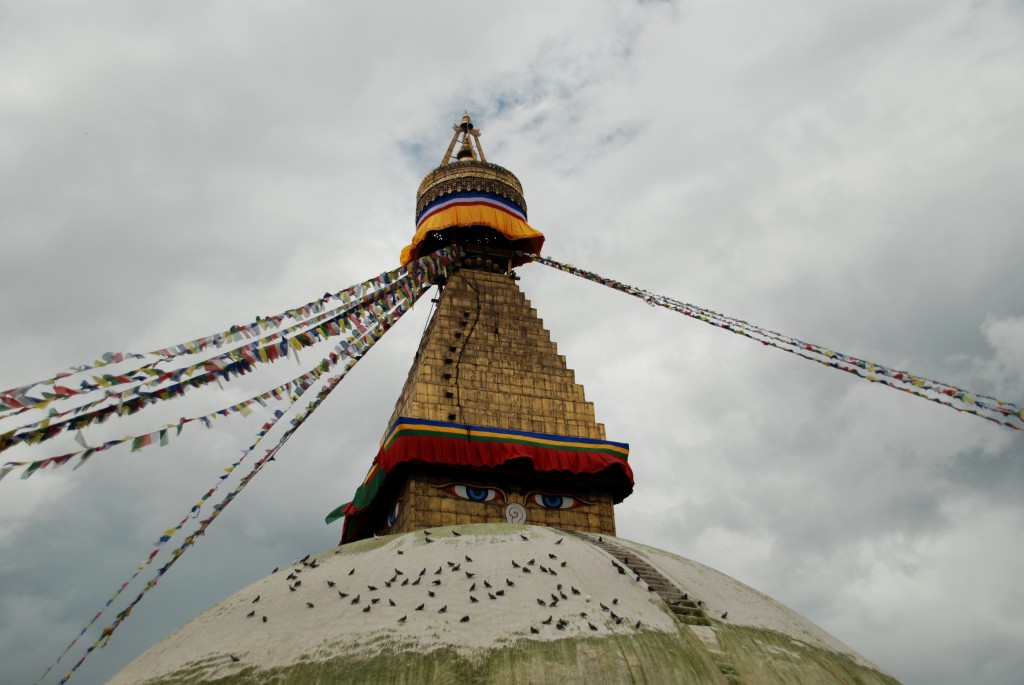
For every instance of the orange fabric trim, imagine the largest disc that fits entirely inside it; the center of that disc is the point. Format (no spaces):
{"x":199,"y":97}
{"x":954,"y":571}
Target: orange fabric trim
{"x":511,"y":227}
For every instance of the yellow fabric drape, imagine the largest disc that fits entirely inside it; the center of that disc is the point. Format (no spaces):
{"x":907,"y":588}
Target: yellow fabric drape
{"x":512,"y":227}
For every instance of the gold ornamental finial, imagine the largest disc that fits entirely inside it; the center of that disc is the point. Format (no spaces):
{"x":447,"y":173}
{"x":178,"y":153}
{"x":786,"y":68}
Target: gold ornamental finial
{"x":470,"y":150}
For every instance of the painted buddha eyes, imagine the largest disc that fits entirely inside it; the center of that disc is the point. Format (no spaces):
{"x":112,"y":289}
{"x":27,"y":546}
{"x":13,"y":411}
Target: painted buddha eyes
{"x":542,"y":500}
{"x":474,"y":493}
{"x":546,"y":501}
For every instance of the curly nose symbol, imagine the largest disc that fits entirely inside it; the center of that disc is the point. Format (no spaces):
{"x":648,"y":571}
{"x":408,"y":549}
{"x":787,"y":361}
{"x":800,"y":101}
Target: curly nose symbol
{"x":515,"y":513}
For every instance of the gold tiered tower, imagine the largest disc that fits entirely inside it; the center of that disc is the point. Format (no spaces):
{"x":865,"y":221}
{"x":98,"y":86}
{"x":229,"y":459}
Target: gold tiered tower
{"x":498,"y":428}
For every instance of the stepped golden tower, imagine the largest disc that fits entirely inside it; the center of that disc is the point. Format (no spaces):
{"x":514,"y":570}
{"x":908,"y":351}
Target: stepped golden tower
{"x":491,"y":425}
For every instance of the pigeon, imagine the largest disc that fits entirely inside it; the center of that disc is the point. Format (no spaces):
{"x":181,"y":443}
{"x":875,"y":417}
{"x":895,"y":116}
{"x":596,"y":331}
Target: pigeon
{"x":416,"y":582}
{"x":554,"y":598}
{"x":551,"y":556}
{"x":233,"y":657}
{"x":509,"y":583}
{"x":388,"y":583}
{"x":615,"y":600}
{"x":560,"y":625}
{"x":547,"y":621}
{"x":486,"y":584}
{"x":600,"y":539}
{"x":355,"y":600}
{"x":398,"y":573}
{"x":523,"y":537}
{"x":374,"y":600}
{"x":456,"y":567}
{"x":401,"y":552}
{"x":574,"y":590}
{"x":423,"y":570}
{"x":256,"y":600}
{"x":430,"y":593}
{"x":542,"y":568}
{"x":372,"y":588}
{"x":490,"y":596}
{"x":592,"y":626}
{"x":251,"y":614}
{"x":435,"y":582}
{"x":558,"y":541}
{"x":531,"y":562}
{"x":534,"y":630}
{"x":514,"y":564}
{"x":526,"y":570}
{"x":685,"y":596}
{"x":553,"y":603}
{"x":291,"y":588}
{"x":621,"y":570}
{"x":428,"y":540}
{"x":464,"y":619}
{"x":456,"y":533}
{"x":583,"y":614}
{"x":352,"y":571}
{"x":472,"y":587}
{"x":562,"y":595}
{"x":274,"y":571}
{"x":366,"y":609}
{"x":563,"y":564}
{"x":615,"y":616}
{"x":469,"y":558}
{"x":391,"y":601}
{"x":341,"y":594}
{"x":541,"y":602}
{"x":402,"y":620}
{"x":304,"y":558}
{"x":637,"y":626}
{"x":309,"y":604}
{"x":330,"y":583}
{"x":500,"y":593}
{"x":291,"y":576}
{"x":405,"y":582}
{"x":419,"y":608}
{"x":588,"y":598}
{"x":438,"y":571}
{"x":264,"y":619}
{"x":298,"y":583}
{"x":601,"y":604}
{"x":469,"y":575}
{"x":450,"y":564}
{"x":725,"y":615}
{"x":443,"y":609}
{"x":473,"y":599}
{"x":618,"y":620}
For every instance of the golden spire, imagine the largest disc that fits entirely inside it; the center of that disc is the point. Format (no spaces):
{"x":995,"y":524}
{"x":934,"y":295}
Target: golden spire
{"x":470,"y":150}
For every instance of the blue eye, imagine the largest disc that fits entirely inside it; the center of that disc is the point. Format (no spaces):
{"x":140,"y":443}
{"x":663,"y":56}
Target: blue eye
{"x":474,"y":493}
{"x":393,"y":516}
{"x":546,"y":501}
{"x":477,"y":494}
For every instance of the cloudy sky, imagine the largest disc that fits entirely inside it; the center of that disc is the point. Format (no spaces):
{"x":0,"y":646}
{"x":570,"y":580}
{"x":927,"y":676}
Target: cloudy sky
{"x":847,"y":173}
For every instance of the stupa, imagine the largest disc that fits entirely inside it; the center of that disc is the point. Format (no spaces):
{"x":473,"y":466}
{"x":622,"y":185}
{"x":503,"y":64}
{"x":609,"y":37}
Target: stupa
{"x":481,"y":545}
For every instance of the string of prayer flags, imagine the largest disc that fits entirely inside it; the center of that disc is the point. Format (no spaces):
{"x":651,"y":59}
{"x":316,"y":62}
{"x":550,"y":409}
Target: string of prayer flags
{"x":1006,"y":414}
{"x":373,"y":334}
{"x":368,"y":315}
{"x":16,"y":400}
